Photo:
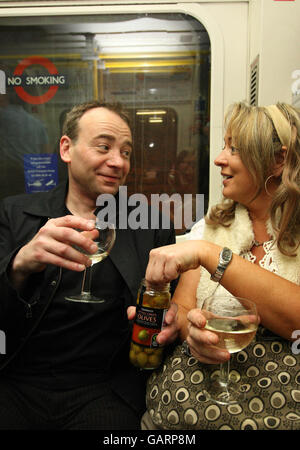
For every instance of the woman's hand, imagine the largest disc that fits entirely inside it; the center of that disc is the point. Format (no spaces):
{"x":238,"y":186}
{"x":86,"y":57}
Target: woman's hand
{"x":203,"y":343}
{"x":170,"y":329}
{"x":168,"y":262}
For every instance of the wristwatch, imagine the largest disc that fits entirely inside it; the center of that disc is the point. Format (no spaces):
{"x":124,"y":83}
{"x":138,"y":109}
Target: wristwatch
{"x":224,"y":260}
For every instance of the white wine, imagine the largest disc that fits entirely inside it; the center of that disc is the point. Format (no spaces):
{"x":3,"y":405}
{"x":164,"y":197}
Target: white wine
{"x":234,"y":335}
{"x":105,"y":240}
{"x":97,"y":257}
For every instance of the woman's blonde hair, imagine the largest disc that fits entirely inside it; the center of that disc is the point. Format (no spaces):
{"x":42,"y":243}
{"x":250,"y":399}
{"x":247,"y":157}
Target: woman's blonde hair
{"x":259,"y":133}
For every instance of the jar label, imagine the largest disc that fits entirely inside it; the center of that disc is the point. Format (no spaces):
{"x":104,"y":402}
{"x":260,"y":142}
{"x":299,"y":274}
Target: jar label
{"x":148,"y":323}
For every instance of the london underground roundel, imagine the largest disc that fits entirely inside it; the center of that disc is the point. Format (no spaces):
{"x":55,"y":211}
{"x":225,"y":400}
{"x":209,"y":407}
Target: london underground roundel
{"x":36,"y":99}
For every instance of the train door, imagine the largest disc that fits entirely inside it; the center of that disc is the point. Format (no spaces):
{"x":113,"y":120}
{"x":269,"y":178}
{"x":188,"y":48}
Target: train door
{"x":165,"y":63}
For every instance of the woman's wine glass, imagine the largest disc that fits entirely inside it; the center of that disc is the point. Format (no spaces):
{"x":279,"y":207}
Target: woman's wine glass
{"x":105,"y":241}
{"x":235,"y":321}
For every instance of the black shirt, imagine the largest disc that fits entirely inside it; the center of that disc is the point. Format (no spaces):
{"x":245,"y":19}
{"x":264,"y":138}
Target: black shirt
{"x":75,"y":342}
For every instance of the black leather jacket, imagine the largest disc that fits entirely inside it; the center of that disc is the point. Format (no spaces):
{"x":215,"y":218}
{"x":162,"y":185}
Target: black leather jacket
{"x":20,"y":218}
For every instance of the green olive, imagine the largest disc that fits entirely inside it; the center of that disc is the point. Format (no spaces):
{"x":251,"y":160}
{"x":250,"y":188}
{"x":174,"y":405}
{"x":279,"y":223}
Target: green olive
{"x":160,"y":301}
{"x":143,"y":335}
{"x":154,"y":360}
{"x":132,"y":356}
{"x":148,"y":351}
{"x":135,"y":348}
{"x":142,"y":359}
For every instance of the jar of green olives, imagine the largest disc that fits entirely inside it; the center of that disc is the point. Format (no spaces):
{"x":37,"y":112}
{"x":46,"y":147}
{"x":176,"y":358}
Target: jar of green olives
{"x":152,"y":304}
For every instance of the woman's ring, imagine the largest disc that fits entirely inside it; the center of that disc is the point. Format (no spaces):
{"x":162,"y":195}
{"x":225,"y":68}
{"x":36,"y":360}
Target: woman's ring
{"x":185,"y":349}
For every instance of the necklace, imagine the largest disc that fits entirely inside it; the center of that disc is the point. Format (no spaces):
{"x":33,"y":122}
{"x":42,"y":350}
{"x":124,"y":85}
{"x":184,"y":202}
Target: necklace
{"x":257,"y":243}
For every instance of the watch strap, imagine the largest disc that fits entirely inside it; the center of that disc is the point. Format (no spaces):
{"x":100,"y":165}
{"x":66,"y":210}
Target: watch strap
{"x":224,"y":259}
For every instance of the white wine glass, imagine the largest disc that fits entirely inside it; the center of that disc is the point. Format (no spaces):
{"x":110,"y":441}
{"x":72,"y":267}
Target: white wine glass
{"x":105,"y":241}
{"x":235,"y":321}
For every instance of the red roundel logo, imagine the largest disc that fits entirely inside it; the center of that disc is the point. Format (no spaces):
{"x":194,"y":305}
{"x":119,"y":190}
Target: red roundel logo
{"x":35,"y":99}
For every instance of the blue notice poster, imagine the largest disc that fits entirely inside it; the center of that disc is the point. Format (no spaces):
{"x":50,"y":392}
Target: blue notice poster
{"x":40,"y":172}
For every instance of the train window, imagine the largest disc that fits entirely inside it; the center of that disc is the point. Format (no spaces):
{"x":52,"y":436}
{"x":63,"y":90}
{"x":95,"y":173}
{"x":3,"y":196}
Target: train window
{"x":157,"y":65}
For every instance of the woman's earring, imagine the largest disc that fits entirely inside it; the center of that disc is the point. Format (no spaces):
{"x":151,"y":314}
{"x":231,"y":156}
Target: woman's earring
{"x":266,"y":182}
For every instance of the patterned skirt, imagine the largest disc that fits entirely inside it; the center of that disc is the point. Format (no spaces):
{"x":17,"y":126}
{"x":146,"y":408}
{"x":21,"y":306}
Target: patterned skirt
{"x":268,"y":371}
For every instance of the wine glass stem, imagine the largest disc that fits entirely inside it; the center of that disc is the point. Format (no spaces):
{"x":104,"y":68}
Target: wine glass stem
{"x":86,"y":282}
{"x":224,"y":372}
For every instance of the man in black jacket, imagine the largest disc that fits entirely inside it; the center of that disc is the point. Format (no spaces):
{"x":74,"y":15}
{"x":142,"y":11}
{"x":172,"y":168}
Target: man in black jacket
{"x":66,"y":364}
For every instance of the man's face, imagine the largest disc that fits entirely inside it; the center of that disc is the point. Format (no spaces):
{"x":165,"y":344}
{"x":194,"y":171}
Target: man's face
{"x":99,"y":160}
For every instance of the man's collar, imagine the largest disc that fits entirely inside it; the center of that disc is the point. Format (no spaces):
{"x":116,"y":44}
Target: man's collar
{"x":49,"y":204}
{"x":52,"y":204}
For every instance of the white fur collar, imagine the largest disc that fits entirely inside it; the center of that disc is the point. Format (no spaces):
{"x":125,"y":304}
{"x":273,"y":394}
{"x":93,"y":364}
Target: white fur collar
{"x":239,"y":237}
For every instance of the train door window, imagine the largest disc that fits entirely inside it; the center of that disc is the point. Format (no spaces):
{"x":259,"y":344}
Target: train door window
{"x":156,"y":65}
{"x":155,"y":143}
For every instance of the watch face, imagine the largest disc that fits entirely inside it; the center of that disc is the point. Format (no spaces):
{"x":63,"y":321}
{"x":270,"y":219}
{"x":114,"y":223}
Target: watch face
{"x":226,"y":254}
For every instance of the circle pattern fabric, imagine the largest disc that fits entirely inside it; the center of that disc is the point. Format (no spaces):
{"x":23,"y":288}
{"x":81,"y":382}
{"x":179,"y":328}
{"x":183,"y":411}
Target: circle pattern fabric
{"x":269,"y":374}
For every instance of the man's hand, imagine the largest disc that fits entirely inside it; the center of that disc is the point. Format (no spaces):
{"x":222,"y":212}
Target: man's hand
{"x":53,"y":244}
{"x":170,"y":331}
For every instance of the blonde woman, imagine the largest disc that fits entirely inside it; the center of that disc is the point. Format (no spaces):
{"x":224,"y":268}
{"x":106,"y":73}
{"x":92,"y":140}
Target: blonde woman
{"x":259,"y":221}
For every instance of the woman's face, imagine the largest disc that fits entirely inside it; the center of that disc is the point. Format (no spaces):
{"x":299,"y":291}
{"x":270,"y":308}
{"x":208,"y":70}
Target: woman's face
{"x":238,"y":183}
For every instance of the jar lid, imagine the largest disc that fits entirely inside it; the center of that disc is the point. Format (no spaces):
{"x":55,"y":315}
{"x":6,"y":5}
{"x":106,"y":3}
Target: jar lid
{"x":159,"y":286}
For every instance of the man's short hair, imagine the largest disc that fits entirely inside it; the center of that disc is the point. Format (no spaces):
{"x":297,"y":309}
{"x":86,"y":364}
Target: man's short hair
{"x":70,"y":126}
